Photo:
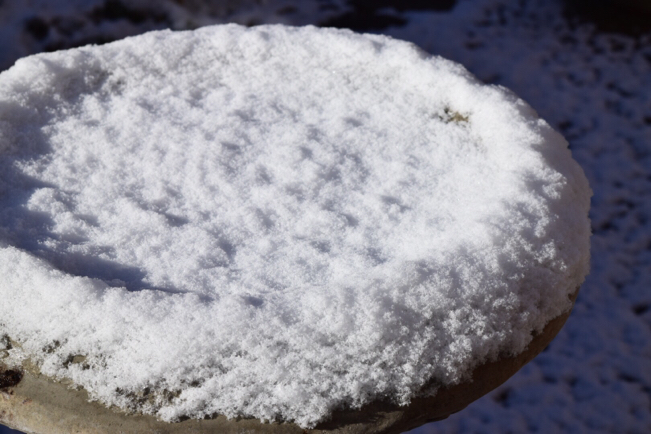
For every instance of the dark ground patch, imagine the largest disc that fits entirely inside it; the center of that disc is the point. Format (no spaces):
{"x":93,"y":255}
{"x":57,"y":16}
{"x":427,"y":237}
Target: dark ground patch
{"x":626,"y":17}
{"x":372,"y":14}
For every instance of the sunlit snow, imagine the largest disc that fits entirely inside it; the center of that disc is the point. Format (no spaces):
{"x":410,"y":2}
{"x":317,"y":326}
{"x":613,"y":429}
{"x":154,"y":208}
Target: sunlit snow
{"x":276,"y":222}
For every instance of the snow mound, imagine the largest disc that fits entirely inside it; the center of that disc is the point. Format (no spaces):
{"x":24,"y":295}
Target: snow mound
{"x":275,"y":222}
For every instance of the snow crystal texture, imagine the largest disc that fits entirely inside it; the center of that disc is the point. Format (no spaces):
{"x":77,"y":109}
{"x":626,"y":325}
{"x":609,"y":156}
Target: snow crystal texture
{"x":276,"y":222}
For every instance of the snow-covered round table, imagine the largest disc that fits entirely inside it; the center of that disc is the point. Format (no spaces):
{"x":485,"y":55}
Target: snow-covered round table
{"x":284,"y":224}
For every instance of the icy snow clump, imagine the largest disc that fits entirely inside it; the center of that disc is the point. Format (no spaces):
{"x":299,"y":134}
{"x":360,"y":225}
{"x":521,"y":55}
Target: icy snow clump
{"x":276,"y":222}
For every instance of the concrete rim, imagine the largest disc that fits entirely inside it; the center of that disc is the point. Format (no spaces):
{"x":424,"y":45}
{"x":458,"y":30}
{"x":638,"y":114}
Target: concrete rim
{"x":36,"y":404}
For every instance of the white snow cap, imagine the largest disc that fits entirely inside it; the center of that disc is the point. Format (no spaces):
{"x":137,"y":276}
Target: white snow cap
{"x":276,"y":222}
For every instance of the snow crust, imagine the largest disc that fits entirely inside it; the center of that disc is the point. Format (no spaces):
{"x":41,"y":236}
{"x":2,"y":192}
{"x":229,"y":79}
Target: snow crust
{"x":276,"y":222}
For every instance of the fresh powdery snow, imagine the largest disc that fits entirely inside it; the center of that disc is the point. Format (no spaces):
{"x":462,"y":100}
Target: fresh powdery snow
{"x":276,"y":222}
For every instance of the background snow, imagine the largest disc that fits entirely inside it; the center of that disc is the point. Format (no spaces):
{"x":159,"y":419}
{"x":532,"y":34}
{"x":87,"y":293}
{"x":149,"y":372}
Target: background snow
{"x":591,"y":84}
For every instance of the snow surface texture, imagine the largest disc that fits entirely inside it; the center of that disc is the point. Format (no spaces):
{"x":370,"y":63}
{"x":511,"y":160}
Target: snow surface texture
{"x":276,"y":222}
